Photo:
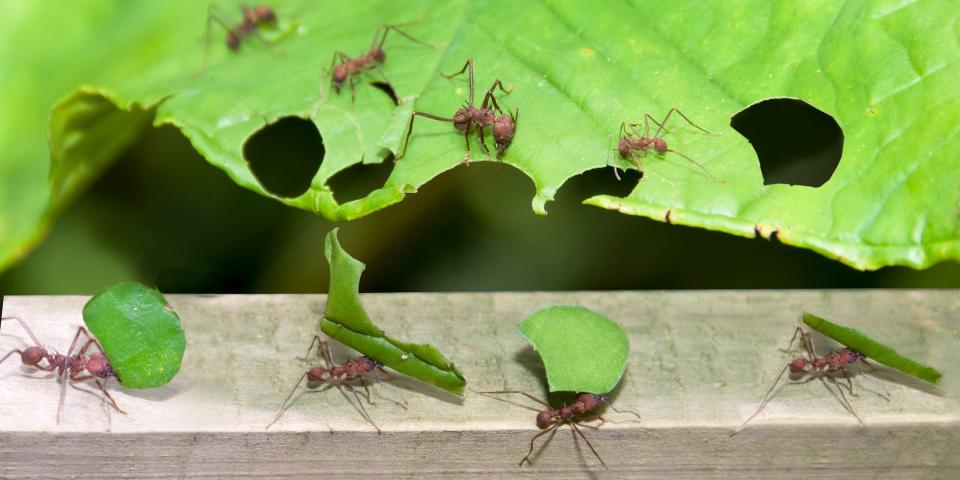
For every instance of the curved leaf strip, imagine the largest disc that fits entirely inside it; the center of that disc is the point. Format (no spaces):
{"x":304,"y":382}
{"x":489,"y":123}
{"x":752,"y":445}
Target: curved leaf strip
{"x":873,"y":349}
{"x":346,"y":321}
{"x":581,"y":350}
{"x":139,"y":333}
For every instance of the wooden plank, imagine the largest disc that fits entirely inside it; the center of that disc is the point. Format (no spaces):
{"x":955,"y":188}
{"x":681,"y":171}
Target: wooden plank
{"x":699,"y":363}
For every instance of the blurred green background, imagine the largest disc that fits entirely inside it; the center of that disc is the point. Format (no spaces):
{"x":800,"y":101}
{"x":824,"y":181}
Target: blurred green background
{"x":162,"y":215}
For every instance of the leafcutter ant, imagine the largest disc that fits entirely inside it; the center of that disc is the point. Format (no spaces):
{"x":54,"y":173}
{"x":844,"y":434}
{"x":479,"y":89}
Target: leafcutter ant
{"x":69,"y":367}
{"x":550,"y":419}
{"x":338,"y":376}
{"x":632,"y":143}
{"x":468,"y":117}
{"x":253,"y":19}
{"x":350,"y":68}
{"x":815,"y":367}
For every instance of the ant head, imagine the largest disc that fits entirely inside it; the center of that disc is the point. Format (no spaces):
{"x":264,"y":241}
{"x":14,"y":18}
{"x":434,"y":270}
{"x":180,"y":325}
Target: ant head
{"x":99,"y":366}
{"x":660,"y":145}
{"x":849,"y":356}
{"x":798,"y":365}
{"x":367,"y":364}
{"x":233,"y":41}
{"x":624,"y":147}
{"x":264,"y":14}
{"x":544,"y":419}
{"x":315,"y":374}
{"x":503,"y":130}
{"x":378,"y":55}
{"x":32,"y":355}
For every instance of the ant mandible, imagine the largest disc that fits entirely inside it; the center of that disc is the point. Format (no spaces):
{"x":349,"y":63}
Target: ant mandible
{"x":69,"y":366}
{"x":816,"y":367}
{"x":349,"y":68}
{"x":468,"y":117}
{"x":633,"y":142}
{"x":337,"y":375}
{"x":550,"y":419}
{"x":253,"y":18}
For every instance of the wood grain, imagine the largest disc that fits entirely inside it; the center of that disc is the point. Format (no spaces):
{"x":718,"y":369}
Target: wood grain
{"x":699,"y":363}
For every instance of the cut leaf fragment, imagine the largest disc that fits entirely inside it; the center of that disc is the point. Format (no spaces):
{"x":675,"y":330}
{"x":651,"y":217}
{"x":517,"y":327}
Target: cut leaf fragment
{"x":139,"y":333}
{"x":873,"y":349}
{"x":346,"y":321}
{"x":581,"y":350}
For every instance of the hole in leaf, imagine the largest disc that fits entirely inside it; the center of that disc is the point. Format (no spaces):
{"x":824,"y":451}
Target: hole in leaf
{"x":285,"y":156}
{"x":796,"y":143}
{"x":358,"y":180}
{"x":601,"y":181}
{"x":387,"y":89}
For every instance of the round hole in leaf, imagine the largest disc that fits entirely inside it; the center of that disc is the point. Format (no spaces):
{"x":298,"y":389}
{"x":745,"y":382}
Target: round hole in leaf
{"x":796,"y":143}
{"x":358,"y":180}
{"x":285,"y":155}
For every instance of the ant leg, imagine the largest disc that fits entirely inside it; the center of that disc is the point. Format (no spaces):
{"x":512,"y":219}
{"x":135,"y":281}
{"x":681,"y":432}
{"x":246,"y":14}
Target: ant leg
{"x":797,"y":331}
{"x":886,"y":393}
{"x":213,"y":15}
{"x":660,"y":126}
{"x":387,"y":28}
{"x":552,"y":430}
{"x":848,"y":385}
{"x":694,"y":125}
{"x":702,"y":168}
{"x":363,"y":410}
{"x":525,"y":394}
{"x":466,"y":137}
{"x":25,"y":328}
{"x":317,"y":341}
{"x":483,"y":143}
{"x":267,"y":43}
{"x":283,"y":406}
{"x":465,"y":65}
{"x":576,"y":429}
{"x":11,"y":352}
{"x":102,"y":389}
{"x":763,"y":403}
{"x":631,"y":412}
{"x":406,"y":138}
{"x":842,"y":398}
{"x":327,"y":356}
{"x":403,"y":401}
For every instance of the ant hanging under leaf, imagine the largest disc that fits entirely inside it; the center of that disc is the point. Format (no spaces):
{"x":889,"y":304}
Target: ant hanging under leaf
{"x":469,"y":118}
{"x":550,"y":419}
{"x":69,"y":367}
{"x":338,"y":376}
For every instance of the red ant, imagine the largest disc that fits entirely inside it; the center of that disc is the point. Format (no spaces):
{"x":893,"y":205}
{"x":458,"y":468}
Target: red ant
{"x":349,"y":68}
{"x":253,"y":18}
{"x":584,"y":406}
{"x":337,"y":375}
{"x":468,"y":117}
{"x":632,"y":141}
{"x":822,"y":368}
{"x":70,"y":365}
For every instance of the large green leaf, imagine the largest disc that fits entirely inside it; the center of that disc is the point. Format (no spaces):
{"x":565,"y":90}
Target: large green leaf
{"x":581,"y":350}
{"x":346,"y":321}
{"x":884,"y":69}
{"x":139,"y":332}
{"x":860,"y":342}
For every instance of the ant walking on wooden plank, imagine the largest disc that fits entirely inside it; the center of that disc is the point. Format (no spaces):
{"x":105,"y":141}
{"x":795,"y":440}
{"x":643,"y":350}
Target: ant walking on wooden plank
{"x":253,"y":18}
{"x":823,"y":368}
{"x":69,"y":367}
{"x":350,"y":68}
{"x":337,"y":376}
{"x":632,"y":142}
{"x":550,"y":419}
{"x":468,"y":117}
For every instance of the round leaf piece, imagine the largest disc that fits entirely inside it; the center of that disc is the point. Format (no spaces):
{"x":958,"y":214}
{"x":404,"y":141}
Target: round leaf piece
{"x":139,"y":333}
{"x":582,"y":350}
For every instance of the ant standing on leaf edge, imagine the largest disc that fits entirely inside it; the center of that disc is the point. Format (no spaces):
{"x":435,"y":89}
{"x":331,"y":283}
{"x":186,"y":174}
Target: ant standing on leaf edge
{"x":469,"y":118}
{"x":340,"y":376}
{"x":584,"y":408}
